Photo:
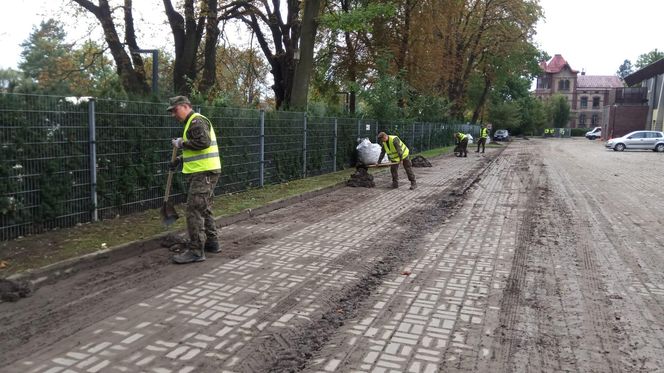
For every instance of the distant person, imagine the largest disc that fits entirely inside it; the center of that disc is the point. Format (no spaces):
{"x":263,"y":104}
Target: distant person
{"x":484,"y":134}
{"x":397,"y":152}
{"x":461,"y":139}
{"x":202,"y":168}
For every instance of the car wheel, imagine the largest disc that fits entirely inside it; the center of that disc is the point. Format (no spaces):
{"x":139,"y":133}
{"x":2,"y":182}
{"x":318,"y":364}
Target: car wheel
{"x":659,"y":148}
{"x":620,"y":147}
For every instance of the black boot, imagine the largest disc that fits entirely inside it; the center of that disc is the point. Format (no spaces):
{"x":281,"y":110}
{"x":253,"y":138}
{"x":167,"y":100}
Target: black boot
{"x":189,"y":256}
{"x":212,"y":247}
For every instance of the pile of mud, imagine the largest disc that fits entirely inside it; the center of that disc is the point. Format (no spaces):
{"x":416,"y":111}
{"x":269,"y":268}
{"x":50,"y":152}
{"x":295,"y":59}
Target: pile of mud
{"x":420,"y":161}
{"x":361,"y":178}
{"x":11,"y":291}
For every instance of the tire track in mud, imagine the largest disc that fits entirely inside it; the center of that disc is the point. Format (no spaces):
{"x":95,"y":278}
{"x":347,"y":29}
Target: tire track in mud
{"x":553,"y":314}
{"x":290,"y":349}
{"x":513,"y":294}
{"x":101,"y":289}
{"x":625,"y":296}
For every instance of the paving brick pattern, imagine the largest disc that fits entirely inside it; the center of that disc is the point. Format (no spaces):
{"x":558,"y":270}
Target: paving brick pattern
{"x":203,"y":324}
{"x":420,"y":322}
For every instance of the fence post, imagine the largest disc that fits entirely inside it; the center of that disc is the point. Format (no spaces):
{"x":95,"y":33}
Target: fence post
{"x":430,"y":124}
{"x":262,"y":150}
{"x":412,"y":136}
{"x":304,"y":148}
{"x":334,"y":169}
{"x":358,"y":128}
{"x":93,"y":157}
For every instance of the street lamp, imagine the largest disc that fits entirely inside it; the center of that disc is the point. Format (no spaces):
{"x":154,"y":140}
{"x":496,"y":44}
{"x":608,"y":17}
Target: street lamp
{"x":155,"y":66}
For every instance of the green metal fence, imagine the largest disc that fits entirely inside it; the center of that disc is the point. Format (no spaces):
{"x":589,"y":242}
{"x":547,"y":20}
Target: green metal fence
{"x":67,"y":160}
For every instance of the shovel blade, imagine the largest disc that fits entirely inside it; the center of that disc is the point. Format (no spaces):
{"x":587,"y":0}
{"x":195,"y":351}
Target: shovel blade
{"x":168,"y":213}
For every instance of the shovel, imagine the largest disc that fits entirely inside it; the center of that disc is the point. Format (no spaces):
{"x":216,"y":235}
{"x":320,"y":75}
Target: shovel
{"x":168,"y":213}
{"x":381,"y":164}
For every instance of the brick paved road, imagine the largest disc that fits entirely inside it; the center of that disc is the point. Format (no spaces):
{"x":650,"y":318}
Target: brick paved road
{"x":533,"y":267}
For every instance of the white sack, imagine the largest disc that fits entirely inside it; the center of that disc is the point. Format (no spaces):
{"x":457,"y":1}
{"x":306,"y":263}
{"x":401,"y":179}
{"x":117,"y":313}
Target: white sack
{"x":368,"y":152}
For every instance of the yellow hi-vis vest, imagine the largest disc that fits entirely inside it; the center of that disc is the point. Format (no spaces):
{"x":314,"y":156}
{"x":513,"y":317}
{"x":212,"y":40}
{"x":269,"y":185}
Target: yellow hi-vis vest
{"x":484,"y":133}
{"x":461,"y":136}
{"x":391,"y":151}
{"x":200,"y":160}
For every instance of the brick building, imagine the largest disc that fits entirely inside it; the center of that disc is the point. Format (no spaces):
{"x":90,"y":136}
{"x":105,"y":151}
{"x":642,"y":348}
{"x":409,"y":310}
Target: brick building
{"x":586,"y":94}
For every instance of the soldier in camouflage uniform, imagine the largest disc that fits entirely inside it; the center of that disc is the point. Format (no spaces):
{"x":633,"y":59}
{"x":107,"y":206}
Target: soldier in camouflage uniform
{"x":202,"y":168}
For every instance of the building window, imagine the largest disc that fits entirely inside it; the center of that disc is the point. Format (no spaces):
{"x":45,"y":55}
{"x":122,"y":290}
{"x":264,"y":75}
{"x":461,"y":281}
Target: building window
{"x":543,"y":83}
{"x":563,"y":85}
{"x":584,"y":102}
{"x":595,"y":102}
{"x":595,"y":119}
{"x":582,"y":120}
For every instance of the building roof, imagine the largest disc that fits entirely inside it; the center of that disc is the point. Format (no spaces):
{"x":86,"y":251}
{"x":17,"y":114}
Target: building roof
{"x":598,"y":81}
{"x":655,"y":68}
{"x":556,"y":65}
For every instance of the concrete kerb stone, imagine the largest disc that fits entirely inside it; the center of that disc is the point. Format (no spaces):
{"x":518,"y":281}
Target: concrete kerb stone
{"x":53,"y":272}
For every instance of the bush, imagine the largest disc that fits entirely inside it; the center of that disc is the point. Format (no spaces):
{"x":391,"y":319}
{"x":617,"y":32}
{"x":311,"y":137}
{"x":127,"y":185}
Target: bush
{"x":579,"y":132}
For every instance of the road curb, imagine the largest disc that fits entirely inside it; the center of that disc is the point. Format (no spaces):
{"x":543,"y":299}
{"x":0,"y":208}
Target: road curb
{"x":56,"y":271}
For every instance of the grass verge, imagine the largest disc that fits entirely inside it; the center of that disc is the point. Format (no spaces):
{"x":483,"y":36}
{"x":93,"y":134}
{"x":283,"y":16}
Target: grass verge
{"x":36,"y":251}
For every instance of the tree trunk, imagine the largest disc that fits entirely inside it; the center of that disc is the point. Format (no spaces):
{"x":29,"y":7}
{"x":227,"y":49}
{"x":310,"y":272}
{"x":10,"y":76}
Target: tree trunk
{"x":483,"y":97}
{"x":211,"y":35}
{"x":304,"y":66}
{"x":132,"y":80}
{"x":187,"y":34}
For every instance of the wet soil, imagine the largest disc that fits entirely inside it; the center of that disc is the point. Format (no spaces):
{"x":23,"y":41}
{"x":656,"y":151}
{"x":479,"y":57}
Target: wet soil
{"x":420,"y":161}
{"x":361,"y":178}
{"x":582,"y":267}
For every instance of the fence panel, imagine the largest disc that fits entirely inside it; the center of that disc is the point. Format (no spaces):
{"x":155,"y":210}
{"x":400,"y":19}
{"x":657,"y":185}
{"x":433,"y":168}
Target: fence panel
{"x":44,"y":178}
{"x":45,"y":148}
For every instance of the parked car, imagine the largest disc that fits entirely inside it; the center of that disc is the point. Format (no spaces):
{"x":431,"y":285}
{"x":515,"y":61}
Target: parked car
{"x":595,"y":133}
{"x":501,"y":135}
{"x":653,"y":140}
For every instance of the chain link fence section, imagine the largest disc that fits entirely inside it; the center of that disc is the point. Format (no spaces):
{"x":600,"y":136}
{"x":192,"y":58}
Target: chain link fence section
{"x":72,"y":160}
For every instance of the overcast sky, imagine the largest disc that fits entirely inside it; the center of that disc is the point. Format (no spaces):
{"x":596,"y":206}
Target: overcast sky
{"x":595,"y":35}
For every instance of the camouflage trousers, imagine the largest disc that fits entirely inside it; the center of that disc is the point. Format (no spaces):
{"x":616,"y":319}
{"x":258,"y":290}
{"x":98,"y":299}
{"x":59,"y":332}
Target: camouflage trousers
{"x":200,"y":222}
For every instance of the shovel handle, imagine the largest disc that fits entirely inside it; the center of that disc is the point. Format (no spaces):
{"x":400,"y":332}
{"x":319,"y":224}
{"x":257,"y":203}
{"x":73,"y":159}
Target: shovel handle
{"x":382,"y":164}
{"x":169,"y":180}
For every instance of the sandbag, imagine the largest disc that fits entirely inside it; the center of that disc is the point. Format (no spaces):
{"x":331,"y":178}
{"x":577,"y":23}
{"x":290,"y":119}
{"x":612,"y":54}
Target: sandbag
{"x":368,"y":152}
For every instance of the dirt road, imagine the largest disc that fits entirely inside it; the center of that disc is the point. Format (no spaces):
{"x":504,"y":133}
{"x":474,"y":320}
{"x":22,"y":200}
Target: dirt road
{"x":542,"y":257}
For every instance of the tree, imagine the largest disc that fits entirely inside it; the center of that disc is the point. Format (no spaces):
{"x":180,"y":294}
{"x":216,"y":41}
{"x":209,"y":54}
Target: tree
{"x":624,"y":69}
{"x":130,"y":66}
{"x":188,"y":30}
{"x":343,"y":61}
{"x":45,"y":57}
{"x":560,"y":111}
{"x":280,"y":40}
{"x":10,"y":79}
{"x":647,"y":58}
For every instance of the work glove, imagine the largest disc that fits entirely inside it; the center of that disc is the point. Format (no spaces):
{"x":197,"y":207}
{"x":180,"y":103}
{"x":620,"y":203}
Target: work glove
{"x":172,"y":166}
{"x":177,"y":143}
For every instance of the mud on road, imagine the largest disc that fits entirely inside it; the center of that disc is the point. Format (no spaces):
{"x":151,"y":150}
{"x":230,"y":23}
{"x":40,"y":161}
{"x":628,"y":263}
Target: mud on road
{"x":539,"y":257}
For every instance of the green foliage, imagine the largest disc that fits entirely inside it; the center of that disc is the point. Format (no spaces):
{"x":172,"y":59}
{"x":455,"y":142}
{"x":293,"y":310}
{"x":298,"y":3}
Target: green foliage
{"x":533,"y":116}
{"x":625,"y":69}
{"x":579,"y":132}
{"x":44,"y":54}
{"x":358,"y":19}
{"x":505,"y":115}
{"x":560,"y":111}
{"x":647,"y":58}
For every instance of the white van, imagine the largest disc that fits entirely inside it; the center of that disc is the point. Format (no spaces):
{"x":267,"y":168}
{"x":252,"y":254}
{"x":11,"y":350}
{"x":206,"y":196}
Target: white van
{"x":595,"y":133}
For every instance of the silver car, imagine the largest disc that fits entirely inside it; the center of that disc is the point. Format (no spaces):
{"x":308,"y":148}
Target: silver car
{"x":647,"y":140}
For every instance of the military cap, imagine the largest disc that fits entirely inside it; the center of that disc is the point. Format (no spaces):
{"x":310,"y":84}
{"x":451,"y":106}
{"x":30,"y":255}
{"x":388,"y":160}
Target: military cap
{"x":177,"y":100}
